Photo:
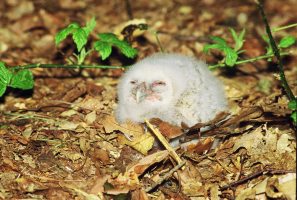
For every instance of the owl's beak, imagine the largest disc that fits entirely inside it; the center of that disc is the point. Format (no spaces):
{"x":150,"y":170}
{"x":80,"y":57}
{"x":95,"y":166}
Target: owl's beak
{"x":141,"y":93}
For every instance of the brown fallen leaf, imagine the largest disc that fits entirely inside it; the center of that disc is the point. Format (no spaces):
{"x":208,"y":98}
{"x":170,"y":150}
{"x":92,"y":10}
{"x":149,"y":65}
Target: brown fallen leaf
{"x":147,"y":161}
{"x":128,"y":180}
{"x":199,"y":146}
{"x":130,"y":129}
{"x":168,"y":130}
{"x":77,"y":91}
{"x":134,"y":135}
{"x":139,"y":194}
{"x":142,"y":143}
{"x":98,"y":186}
{"x":191,"y":181}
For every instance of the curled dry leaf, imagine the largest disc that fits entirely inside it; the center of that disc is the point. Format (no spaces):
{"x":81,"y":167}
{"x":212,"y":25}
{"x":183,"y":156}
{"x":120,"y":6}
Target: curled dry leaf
{"x":199,"y":146}
{"x":130,"y":129}
{"x":168,"y":130}
{"x":129,"y":179}
{"x":134,"y":134}
{"x":147,"y":161}
{"x":142,"y":143}
{"x":90,"y":103}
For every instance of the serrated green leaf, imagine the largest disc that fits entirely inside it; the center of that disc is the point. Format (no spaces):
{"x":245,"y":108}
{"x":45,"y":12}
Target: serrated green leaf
{"x":293,"y":104}
{"x":294,"y":117}
{"x":5,"y":74}
{"x":23,"y":79}
{"x":80,"y":38}
{"x":287,"y":42}
{"x":233,"y":33}
{"x":108,"y":37}
{"x":238,"y":39}
{"x":129,"y":52}
{"x":61,"y":35}
{"x":112,"y":40}
{"x":242,"y":34}
{"x":5,"y":77}
{"x":2,"y":88}
{"x":126,"y":49}
{"x":90,"y":26}
{"x":219,"y":40}
{"x":104,"y":49}
{"x":213,"y":46}
{"x":231,"y":56}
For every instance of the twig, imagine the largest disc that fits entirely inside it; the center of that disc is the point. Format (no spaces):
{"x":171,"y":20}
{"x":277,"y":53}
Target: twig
{"x":247,"y":60}
{"x":158,"y":41}
{"x":164,"y":142}
{"x":129,"y":9}
{"x":276,"y":53}
{"x":165,"y":177}
{"x":284,"y":27}
{"x":38,"y":65}
{"x":255,"y":175}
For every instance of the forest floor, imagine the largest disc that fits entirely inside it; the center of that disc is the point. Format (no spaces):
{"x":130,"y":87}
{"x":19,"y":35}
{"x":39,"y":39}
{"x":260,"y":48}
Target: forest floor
{"x":60,"y":140}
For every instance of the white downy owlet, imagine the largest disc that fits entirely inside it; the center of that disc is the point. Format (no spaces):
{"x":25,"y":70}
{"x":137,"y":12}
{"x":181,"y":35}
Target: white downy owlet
{"x":172,"y":87}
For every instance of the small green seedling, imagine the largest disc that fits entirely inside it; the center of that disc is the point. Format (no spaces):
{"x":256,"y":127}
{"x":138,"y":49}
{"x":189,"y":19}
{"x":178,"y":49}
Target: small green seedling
{"x":80,"y":37}
{"x":22,"y":78}
{"x":231,"y":53}
{"x":103,"y":46}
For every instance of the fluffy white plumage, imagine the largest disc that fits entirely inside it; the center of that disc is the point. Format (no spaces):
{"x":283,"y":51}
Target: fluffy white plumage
{"x":172,"y":87}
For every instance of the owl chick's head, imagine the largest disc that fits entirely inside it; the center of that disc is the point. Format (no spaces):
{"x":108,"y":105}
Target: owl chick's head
{"x":152,"y":82}
{"x":147,"y":88}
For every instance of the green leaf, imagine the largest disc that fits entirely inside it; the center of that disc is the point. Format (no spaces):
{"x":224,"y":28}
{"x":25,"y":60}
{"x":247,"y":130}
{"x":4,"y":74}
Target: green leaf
{"x":5,"y":74}
{"x":80,"y":38}
{"x":103,"y":48}
{"x":294,"y":117}
{"x":5,"y":77}
{"x":269,"y":50}
{"x":60,"y":36}
{"x":237,"y":38}
{"x":231,"y":56}
{"x":293,"y":104}
{"x":90,"y":26}
{"x":212,"y":46}
{"x":242,"y":34}
{"x":23,"y":79}
{"x":287,"y":42}
{"x":109,"y":40}
{"x":219,"y":40}
{"x":126,"y":49}
{"x":2,"y":89}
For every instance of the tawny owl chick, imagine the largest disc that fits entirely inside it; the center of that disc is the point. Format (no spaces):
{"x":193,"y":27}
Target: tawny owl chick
{"x":172,"y":87}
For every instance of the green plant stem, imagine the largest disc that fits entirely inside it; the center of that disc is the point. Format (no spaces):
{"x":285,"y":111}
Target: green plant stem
{"x":158,"y":41}
{"x":74,"y":66}
{"x":247,"y":60}
{"x":276,"y":53}
{"x":284,"y":27}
